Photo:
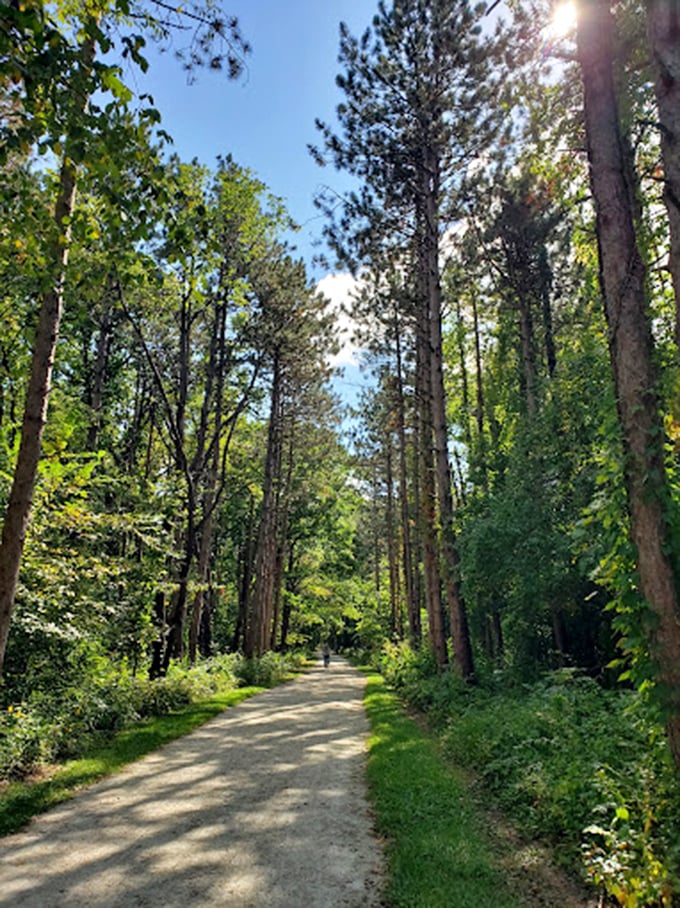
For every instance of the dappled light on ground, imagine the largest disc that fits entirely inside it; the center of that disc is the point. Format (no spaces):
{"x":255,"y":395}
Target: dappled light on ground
{"x":264,"y":805}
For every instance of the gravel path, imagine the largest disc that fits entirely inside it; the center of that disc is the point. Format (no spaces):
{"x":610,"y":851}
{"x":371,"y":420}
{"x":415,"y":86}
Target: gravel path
{"x":263,"y":807}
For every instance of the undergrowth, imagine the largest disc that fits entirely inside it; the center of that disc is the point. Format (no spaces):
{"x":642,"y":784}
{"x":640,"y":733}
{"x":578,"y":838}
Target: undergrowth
{"x":583,"y":768}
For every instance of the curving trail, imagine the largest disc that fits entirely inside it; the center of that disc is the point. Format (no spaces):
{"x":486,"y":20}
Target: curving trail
{"x":263,"y":807}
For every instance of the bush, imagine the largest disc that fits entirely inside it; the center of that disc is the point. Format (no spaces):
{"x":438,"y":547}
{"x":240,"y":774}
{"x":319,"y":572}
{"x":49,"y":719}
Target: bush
{"x":26,"y":741}
{"x":264,"y":671}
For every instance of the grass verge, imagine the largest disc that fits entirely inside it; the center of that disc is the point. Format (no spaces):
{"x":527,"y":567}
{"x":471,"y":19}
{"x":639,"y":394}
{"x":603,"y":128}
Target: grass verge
{"x":438,"y":856}
{"x":22,"y":800}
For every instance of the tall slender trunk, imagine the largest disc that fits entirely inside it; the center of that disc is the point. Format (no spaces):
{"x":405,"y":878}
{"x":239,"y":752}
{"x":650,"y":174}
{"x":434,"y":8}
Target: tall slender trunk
{"x":392,"y":547}
{"x":204,"y":555}
{"x":545,"y":283}
{"x":528,"y":351}
{"x":174,"y":647}
{"x":462,"y":364}
{"x":622,"y":275}
{"x":20,"y":501}
{"x":247,"y":557}
{"x":287,"y":608}
{"x":259,"y":619}
{"x":377,"y":535}
{"x":462,"y":648}
{"x":104,"y":341}
{"x":412,"y":602}
{"x":479,"y":406}
{"x":427,"y":494}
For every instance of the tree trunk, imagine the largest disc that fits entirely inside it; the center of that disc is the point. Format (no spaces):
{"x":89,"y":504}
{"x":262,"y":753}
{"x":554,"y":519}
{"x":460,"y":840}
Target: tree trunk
{"x":462,"y":365}
{"x":545,"y":281}
{"x":392,"y":547}
{"x":247,"y":557}
{"x":174,"y":648}
{"x":204,"y":554}
{"x":20,"y":500}
{"x":259,"y":621}
{"x":427,"y":495}
{"x":663,"y":25}
{"x":99,"y":377}
{"x":528,"y":351}
{"x":622,"y":276}
{"x":158,"y":645}
{"x":460,"y":633}
{"x":412,"y":602}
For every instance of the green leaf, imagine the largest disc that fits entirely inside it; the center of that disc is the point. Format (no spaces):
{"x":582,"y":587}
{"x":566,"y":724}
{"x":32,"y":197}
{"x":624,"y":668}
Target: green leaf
{"x":111,"y":82}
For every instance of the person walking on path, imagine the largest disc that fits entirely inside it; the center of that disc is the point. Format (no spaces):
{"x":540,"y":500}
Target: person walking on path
{"x":263,"y":807}
{"x":326,"y":655}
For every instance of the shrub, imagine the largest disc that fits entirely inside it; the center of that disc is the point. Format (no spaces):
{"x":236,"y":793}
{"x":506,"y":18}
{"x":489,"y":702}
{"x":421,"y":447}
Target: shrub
{"x":26,"y":741}
{"x":263,"y":671}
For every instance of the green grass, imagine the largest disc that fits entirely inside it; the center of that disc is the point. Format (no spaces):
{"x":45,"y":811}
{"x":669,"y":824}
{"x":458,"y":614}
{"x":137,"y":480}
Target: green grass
{"x":437,"y":854}
{"x":22,"y":800}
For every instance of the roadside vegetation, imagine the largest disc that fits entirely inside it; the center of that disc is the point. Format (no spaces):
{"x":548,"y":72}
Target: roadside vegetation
{"x":580,"y":767}
{"x":437,"y":855}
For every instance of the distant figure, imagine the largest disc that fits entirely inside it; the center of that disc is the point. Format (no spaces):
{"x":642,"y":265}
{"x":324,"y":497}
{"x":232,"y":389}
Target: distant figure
{"x":326,"y":655}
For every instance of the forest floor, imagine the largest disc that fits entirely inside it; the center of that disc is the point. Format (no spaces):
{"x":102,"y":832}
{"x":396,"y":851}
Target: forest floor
{"x":263,"y":807}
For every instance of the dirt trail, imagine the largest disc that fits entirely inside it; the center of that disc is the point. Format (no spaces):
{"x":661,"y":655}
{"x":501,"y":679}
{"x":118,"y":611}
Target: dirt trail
{"x":263,"y":807}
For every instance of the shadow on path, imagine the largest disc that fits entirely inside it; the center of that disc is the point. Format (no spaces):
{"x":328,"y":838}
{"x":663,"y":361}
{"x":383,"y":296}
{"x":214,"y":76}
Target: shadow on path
{"x":263,"y":807}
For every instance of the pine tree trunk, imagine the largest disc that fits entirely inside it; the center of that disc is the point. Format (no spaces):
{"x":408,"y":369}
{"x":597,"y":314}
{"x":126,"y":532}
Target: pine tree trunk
{"x":528,"y":351}
{"x":247,"y":557}
{"x":545,"y":278}
{"x":412,"y":603}
{"x":462,"y":648}
{"x":622,"y":275}
{"x":479,"y":406}
{"x":427,"y":494}
{"x":261,"y":607}
{"x":392,"y":545}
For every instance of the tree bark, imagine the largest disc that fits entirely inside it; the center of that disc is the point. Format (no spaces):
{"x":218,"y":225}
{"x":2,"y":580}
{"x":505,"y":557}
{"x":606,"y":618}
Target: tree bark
{"x":258,"y":631}
{"x":20,"y":500}
{"x":427,"y":494}
{"x":412,"y":601}
{"x":204,"y":555}
{"x":246,"y":557}
{"x":622,"y":275}
{"x":392,"y":547}
{"x":96,"y":400}
{"x":462,"y":648}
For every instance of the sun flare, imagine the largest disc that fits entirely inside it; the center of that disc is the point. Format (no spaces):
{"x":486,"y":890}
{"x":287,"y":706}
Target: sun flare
{"x":563,"y":19}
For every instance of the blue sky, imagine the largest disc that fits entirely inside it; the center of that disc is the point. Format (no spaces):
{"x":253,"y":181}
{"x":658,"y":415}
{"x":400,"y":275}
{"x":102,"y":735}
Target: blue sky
{"x":266,"y":119}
